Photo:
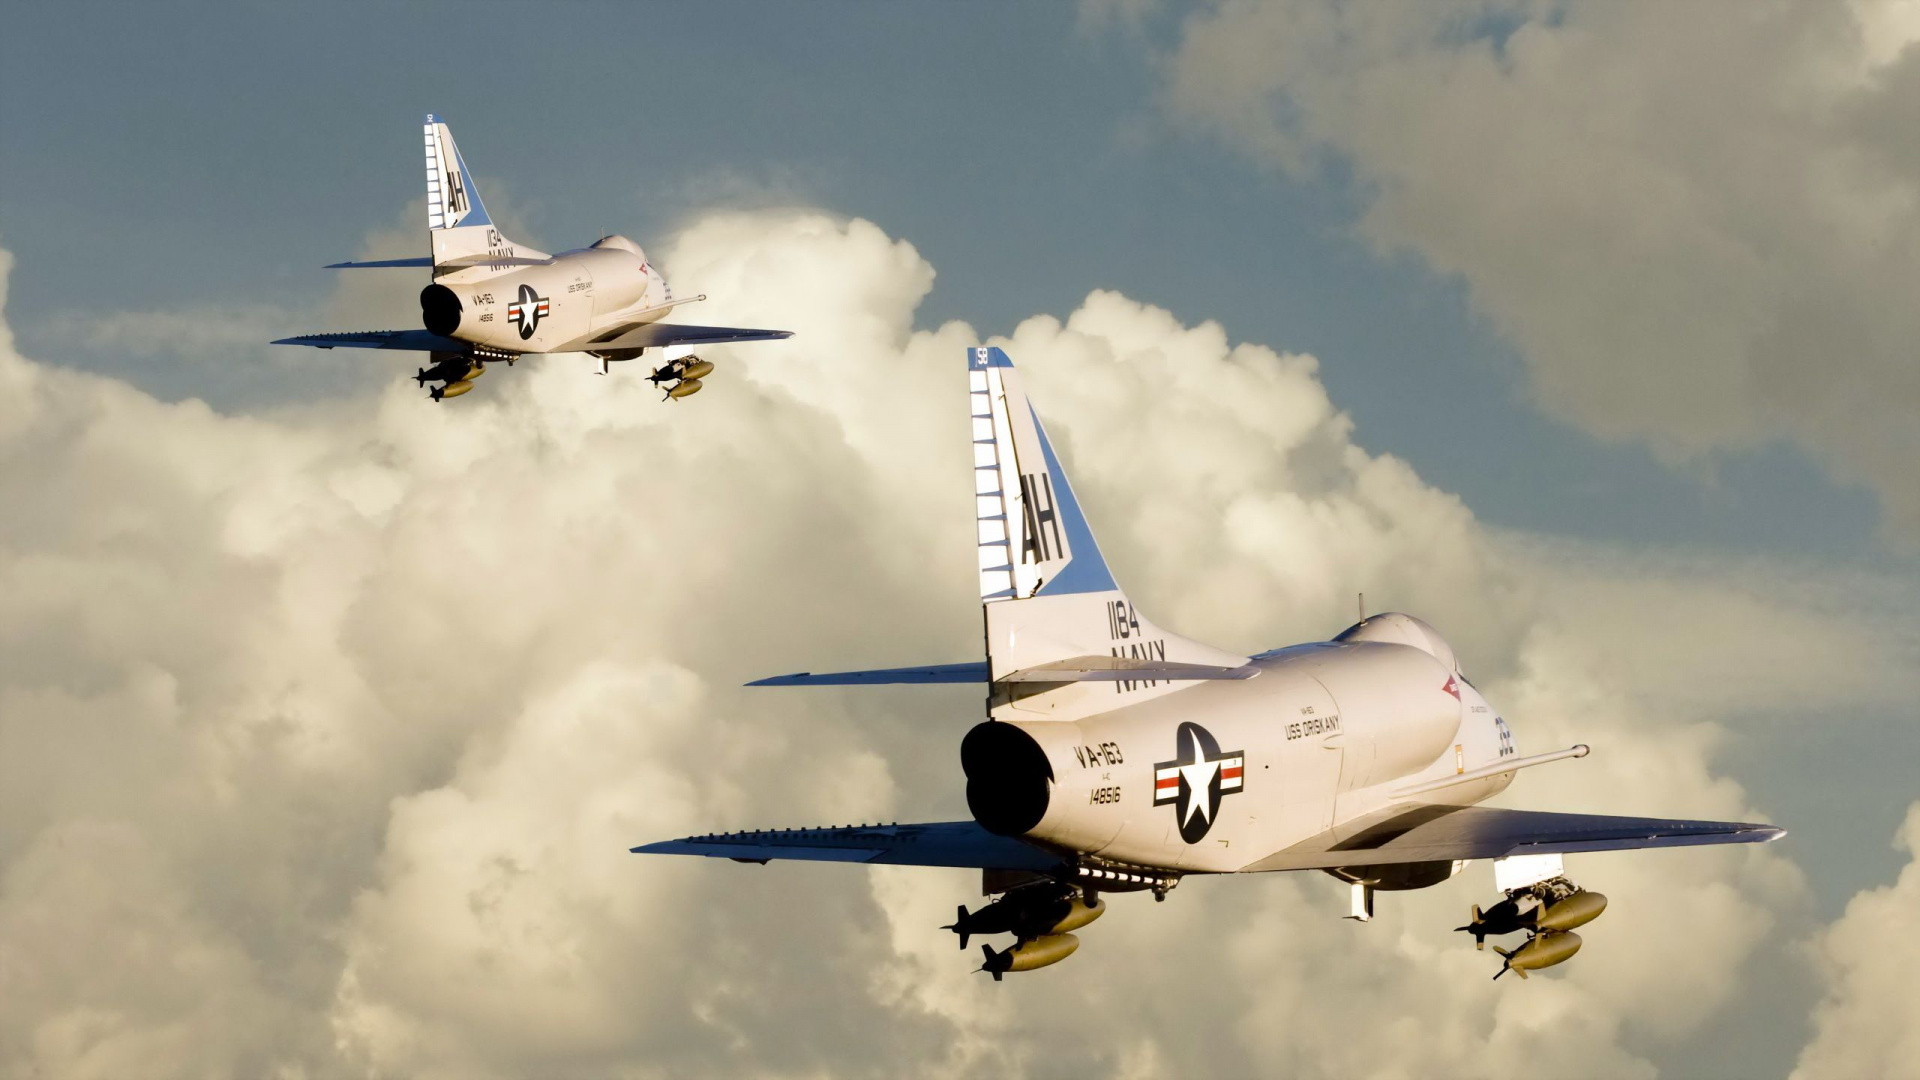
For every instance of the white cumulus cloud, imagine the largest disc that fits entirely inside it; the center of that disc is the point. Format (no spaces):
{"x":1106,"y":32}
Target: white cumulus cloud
{"x":1698,"y":222}
{"x":326,"y":732}
{"x":1869,"y":1022}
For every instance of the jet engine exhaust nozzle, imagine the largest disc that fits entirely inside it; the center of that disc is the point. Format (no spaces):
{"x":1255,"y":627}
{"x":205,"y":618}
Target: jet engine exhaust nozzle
{"x":1008,"y":778}
{"x":440,"y":310}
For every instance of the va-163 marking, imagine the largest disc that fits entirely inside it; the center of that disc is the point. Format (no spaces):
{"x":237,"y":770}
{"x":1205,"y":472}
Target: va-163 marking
{"x":494,"y":300}
{"x":1363,"y":756}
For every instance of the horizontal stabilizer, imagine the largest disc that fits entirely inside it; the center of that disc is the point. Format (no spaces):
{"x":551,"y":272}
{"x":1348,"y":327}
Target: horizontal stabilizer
{"x":975,"y":672}
{"x":946,"y":843}
{"x":492,"y":261}
{"x":1126,"y":669}
{"x":1077,"y":669}
{"x":1450,"y":833}
{"x":412,"y":340}
{"x":462,"y":263}
{"x":376,"y":264}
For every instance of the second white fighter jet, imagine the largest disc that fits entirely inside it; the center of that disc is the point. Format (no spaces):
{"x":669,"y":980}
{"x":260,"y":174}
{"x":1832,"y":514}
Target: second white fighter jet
{"x":1119,"y":757}
{"x":494,"y":300}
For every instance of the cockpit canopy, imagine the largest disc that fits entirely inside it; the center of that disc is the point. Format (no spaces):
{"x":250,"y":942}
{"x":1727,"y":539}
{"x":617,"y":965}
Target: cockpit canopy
{"x":1398,"y":629}
{"x":620,"y":243}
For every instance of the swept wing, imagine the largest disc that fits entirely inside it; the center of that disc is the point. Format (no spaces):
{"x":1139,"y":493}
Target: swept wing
{"x":652,"y":335}
{"x":658,"y":335}
{"x":942,"y":843}
{"x":1424,"y":834}
{"x":414,"y":340}
{"x":1447,"y":833}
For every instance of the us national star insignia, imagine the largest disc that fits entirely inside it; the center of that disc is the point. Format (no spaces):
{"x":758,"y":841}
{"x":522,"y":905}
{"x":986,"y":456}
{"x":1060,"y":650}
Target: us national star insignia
{"x":1196,"y":780}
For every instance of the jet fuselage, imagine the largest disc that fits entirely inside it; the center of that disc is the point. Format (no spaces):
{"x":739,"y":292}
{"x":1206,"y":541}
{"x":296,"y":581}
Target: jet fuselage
{"x":1322,"y":736}
{"x":609,"y":286}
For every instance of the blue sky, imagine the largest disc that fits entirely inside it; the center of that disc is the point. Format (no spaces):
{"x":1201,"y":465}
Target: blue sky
{"x":228,"y":150}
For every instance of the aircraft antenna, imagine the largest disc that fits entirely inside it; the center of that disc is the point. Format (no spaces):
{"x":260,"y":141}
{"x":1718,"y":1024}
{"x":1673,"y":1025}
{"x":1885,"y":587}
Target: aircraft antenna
{"x":1361,"y":603}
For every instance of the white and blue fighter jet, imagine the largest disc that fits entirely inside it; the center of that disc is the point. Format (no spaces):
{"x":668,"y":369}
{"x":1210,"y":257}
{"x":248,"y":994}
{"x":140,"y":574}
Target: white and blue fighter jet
{"x":1118,"y":757}
{"x":494,"y":300}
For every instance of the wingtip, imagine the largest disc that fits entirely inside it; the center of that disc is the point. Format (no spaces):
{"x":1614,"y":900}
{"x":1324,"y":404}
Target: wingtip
{"x":779,"y":680}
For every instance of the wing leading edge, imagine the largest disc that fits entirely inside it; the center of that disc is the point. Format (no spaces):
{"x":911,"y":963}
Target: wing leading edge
{"x":411,"y":340}
{"x":1425,"y":834}
{"x":942,"y":843}
{"x":659,"y":335}
{"x":1445,"y":833}
{"x":650,"y":336}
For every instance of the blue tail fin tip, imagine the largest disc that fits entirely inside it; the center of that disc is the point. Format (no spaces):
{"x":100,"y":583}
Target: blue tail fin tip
{"x":982,"y":357}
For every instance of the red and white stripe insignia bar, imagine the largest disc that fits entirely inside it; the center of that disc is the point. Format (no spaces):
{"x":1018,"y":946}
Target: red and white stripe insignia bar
{"x":1166,"y":785}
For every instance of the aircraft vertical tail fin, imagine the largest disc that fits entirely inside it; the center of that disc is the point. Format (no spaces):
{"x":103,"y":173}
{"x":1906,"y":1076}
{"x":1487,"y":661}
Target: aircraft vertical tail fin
{"x":462,"y":233}
{"x":1050,"y":600}
{"x":1033,"y":536}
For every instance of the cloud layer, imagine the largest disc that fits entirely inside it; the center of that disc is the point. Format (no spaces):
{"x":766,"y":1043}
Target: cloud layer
{"x":1698,"y":222}
{"x":326,"y":733}
{"x":1869,"y":1022}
